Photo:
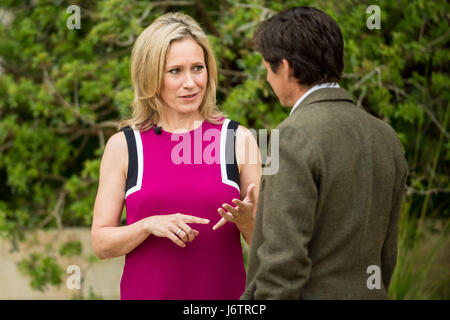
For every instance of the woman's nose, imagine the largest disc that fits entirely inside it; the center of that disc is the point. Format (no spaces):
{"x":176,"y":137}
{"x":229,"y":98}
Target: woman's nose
{"x":188,"y":81}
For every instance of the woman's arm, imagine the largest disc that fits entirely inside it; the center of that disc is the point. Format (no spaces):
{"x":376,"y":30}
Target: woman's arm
{"x":249,"y":163}
{"x":108,"y":239}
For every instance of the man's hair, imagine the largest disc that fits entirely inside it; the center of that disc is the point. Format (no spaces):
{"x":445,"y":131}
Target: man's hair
{"x":309,"y":39}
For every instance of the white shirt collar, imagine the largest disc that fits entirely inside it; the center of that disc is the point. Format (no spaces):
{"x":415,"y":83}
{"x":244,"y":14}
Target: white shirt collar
{"x":311,"y":90}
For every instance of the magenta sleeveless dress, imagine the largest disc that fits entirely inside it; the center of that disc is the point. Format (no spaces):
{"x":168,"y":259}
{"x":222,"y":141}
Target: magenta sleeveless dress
{"x":192,"y":173}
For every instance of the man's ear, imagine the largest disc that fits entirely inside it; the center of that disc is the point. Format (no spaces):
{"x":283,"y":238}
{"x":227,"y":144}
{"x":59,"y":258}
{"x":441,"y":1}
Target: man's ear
{"x":287,"y":69}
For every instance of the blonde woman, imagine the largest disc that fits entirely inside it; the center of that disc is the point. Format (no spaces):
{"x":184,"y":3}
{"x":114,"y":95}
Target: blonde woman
{"x":188,"y":176}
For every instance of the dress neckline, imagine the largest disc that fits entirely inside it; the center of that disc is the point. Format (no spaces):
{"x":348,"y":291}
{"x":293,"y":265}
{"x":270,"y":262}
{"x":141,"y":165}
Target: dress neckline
{"x":184,"y":132}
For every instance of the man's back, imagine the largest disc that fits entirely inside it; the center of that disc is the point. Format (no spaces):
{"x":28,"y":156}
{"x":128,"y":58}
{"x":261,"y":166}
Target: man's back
{"x":330,"y":214}
{"x":360,"y":176}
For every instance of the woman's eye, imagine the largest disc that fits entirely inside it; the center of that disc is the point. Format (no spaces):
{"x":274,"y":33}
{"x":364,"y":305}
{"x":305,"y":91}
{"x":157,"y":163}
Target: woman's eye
{"x":198,"y":68}
{"x":174,"y":71}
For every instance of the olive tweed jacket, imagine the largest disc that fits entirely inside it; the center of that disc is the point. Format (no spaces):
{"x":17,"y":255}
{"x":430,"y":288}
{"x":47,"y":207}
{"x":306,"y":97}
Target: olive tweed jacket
{"x":332,"y":209}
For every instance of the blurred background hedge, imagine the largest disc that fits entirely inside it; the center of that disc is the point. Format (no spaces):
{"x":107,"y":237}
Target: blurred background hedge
{"x":63,"y":91}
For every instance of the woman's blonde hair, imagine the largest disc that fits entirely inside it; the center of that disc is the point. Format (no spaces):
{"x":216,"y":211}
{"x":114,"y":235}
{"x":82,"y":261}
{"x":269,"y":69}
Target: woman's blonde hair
{"x":148,"y":59}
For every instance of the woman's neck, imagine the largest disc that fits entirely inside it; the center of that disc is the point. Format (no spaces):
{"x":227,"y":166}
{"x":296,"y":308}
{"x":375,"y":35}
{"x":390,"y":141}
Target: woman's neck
{"x":171,"y":121}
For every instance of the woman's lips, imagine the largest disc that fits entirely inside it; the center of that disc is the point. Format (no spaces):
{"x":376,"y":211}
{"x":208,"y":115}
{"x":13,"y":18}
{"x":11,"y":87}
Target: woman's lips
{"x":189,"y":97}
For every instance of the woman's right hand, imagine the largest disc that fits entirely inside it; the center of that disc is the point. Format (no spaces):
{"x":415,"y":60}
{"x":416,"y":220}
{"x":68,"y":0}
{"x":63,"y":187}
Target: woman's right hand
{"x":174,"y":226}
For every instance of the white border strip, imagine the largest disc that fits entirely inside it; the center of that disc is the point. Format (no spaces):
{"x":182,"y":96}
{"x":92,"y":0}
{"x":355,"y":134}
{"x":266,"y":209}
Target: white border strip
{"x":223,"y":163}
{"x":140,"y":158}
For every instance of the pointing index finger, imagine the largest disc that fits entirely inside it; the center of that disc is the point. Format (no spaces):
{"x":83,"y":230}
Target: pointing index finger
{"x":192,"y":219}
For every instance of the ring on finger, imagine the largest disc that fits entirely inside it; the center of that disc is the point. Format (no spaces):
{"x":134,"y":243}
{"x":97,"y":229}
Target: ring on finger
{"x":178,"y":231}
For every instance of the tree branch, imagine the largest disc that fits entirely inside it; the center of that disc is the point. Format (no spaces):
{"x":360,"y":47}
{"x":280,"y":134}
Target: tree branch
{"x":227,"y":72}
{"x":56,"y":211}
{"x":6,"y":145}
{"x":62,"y":100}
{"x":437,"y":40}
{"x":411,"y":190}
{"x":434,"y":120}
{"x":367,"y":76}
{"x":55,"y":214}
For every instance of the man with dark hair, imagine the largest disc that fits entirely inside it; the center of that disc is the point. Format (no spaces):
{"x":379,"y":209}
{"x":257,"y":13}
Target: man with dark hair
{"x":327,"y":223}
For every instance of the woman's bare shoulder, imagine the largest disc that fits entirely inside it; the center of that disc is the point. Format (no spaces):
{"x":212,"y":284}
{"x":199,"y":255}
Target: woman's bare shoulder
{"x":247,"y":151}
{"x":116,"y":151}
{"x":243,"y":133}
{"x":117,"y":143}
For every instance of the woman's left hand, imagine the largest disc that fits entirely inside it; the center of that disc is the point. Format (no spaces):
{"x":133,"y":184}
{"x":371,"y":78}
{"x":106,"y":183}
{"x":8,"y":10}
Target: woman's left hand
{"x":242,"y":215}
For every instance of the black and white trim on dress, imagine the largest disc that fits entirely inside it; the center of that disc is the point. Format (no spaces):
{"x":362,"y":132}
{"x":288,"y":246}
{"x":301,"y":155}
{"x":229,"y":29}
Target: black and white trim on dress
{"x":228,"y":162}
{"x":135,"y":160}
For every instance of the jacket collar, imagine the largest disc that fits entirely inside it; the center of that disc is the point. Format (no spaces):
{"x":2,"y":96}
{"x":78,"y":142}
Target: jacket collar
{"x":325,"y":95}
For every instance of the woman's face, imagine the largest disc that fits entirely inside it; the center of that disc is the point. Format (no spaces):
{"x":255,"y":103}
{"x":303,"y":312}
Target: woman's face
{"x":185,"y":76}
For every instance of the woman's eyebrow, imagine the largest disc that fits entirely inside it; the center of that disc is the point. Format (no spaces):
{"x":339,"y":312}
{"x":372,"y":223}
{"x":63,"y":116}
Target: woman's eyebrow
{"x":181,"y":65}
{"x":174,"y":66}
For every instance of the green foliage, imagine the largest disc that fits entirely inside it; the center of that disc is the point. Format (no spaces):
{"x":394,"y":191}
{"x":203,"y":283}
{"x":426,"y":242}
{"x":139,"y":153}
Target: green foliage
{"x":43,"y":270}
{"x":91,"y":296}
{"x":62,"y":92}
{"x":418,"y":249}
{"x":71,"y":248}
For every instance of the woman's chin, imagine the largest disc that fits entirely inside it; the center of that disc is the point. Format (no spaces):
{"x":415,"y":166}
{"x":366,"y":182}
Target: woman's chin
{"x":188,"y":108}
